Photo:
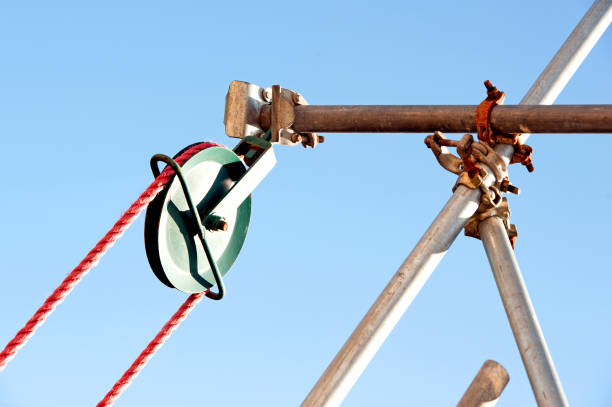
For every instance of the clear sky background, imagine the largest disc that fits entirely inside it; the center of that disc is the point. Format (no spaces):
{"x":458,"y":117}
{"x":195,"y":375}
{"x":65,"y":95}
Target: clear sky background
{"x":90,"y":90}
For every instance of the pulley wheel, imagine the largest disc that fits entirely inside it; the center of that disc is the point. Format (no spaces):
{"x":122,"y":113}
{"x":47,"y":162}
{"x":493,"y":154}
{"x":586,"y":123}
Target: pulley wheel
{"x":174,"y":251}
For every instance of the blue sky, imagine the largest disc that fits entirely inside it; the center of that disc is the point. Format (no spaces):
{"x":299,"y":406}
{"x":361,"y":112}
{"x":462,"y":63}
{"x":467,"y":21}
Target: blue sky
{"x":90,"y":90}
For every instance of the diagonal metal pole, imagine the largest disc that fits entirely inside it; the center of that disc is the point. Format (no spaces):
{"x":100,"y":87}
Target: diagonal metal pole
{"x":529,"y":338}
{"x":342,"y":373}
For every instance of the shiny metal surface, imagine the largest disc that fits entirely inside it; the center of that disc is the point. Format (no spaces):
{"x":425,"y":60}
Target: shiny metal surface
{"x":374,"y":328}
{"x":527,"y":332}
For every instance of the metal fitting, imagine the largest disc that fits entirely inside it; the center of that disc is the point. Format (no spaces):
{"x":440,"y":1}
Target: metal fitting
{"x":298,"y":99}
{"x":266,"y":94}
{"x":296,"y":138}
{"x":470,"y":182}
{"x":311,"y":139}
{"x":437,"y":143}
{"x":502,"y":211}
{"x":216,"y":223}
{"x":506,"y":186}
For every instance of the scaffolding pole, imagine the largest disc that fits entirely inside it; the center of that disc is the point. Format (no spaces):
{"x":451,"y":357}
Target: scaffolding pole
{"x":340,"y":376}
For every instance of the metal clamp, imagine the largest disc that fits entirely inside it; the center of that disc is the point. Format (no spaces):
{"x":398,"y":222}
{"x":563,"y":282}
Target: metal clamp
{"x":502,"y":211}
{"x":483,"y":113}
{"x":282,"y":115}
{"x":471,"y":175}
{"x":195,"y":216}
{"x":466,"y":166}
{"x":251,"y":111}
{"x":522,"y":152}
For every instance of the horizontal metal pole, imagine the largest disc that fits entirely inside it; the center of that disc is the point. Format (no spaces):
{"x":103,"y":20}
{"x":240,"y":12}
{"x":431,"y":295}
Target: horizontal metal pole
{"x":448,"y":119}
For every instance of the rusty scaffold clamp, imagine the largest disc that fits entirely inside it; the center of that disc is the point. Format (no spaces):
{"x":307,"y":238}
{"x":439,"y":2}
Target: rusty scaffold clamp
{"x":282,"y":103}
{"x":471,"y":173}
{"x":522,"y":152}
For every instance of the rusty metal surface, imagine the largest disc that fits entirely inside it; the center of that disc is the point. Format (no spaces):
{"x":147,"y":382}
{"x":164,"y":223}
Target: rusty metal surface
{"x":487,"y":386}
{"x":501,"y":210}
{"x":243,"y":104}
{"x":449,"y":119}
{"x":470,"y":154}
{"x":522,"y":153}
{"x":438,"y":143}
{"x":471,"y":175}
{"x":483,"y":112}
{"x":251,"y":111}
{"x":248,"y":110}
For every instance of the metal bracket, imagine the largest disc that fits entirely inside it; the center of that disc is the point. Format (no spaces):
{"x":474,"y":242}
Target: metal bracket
{"x":259,"y":156}
{"x":466,"y":166}
{"x":502,"y":211}
{"x":251,"y":111}
{"x":470,"y":182}
{"x":483,"y":112}
{"x":243,"y":104}
{"x":472,"y":176}
{"x":438,"y":145}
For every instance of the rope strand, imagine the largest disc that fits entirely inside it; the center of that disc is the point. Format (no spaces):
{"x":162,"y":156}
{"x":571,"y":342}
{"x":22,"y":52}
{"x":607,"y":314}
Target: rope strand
{"x":150,"y":350}
{"x":93,"y":257}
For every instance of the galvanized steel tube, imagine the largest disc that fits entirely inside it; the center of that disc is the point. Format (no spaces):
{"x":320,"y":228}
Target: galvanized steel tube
{"x":368,"y":337}
{"x":527,"y":332}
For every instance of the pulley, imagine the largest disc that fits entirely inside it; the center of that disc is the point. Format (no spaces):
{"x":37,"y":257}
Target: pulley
{"x":187,"y":244}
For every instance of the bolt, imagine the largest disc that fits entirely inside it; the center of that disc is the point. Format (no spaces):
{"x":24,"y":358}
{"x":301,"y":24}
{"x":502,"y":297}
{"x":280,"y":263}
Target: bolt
{"x":514,"y":190}
{"x":216,"y":223}
{"x":321,"y":139}
{"x":296,"y":138}
{"x":298,"y":99}
{"x":506,"y":186}
{"x":308,"y":140}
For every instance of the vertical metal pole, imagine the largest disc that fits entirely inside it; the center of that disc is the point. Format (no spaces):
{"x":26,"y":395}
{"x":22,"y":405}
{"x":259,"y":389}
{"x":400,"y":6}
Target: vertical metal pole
{"x":529,"y":338}
{"x":342,"y":373}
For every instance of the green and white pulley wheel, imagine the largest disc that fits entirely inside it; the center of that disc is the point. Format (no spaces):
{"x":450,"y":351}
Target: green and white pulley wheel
{"x":174,"y":251}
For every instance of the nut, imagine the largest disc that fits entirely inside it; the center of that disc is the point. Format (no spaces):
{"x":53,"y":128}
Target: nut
{"x":266,"y":94}
{"x":298,"y":99}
